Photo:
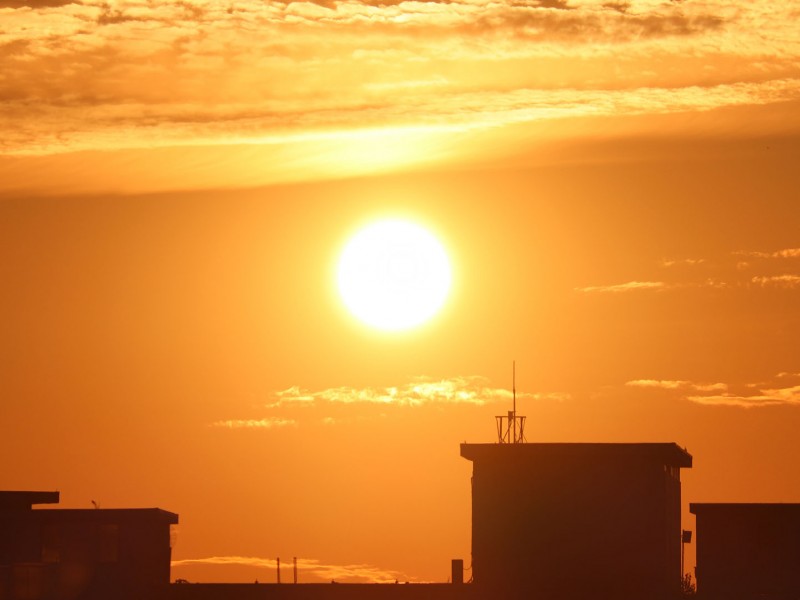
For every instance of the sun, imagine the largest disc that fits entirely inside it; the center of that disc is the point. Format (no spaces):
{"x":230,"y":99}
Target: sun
{"x":394,"y":275}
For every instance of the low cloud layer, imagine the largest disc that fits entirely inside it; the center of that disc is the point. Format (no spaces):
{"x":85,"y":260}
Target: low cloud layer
{"x":307,"y":568}
{"x":760,"y":269}
{"x":266,"y":423}
{"x":785,"y":280}
{"x":785,"y":253}
{"x":783,"y":390}
{"x":667,"y":384}
{"x":456,"y":390}
{"x":629,"y":286}
{"x":766,"y":397}
{"x":289,"y":407}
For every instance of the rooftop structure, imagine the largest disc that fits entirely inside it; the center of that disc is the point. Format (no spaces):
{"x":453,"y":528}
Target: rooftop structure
{"x":748,"y":550}
{"x":26,"y":500}
{"x":577,"y":520}
{"x":91,"y":554}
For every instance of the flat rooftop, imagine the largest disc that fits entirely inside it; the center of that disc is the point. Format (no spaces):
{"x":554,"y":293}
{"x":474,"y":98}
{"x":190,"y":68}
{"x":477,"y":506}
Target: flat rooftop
{"x":739,"y":508}
{"x":24,"y":500}
{"x":12,"y":502}
{"x":98,"y":515}
{"x":669,"y":453}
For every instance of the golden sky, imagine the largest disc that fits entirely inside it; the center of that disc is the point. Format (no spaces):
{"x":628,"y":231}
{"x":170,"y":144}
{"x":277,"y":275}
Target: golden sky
{"x":615,"y":184}
{"x":247,"y":93}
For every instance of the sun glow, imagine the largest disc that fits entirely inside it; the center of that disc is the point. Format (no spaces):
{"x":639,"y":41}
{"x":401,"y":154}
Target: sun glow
{"x":394,"y":275}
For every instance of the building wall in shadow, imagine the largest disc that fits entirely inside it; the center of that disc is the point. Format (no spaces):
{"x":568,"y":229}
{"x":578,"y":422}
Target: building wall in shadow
{"x":748,"y":551}
{"x":325,"y":591}
{"x":559,"y":521}
{"x":89,"y":554}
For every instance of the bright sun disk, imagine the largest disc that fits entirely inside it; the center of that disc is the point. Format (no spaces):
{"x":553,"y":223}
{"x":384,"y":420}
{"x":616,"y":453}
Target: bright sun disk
{"x":394,"y":275}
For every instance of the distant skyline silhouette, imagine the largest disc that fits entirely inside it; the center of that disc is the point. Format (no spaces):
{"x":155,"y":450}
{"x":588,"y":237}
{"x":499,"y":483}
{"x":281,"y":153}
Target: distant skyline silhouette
{"x":558,"y":521}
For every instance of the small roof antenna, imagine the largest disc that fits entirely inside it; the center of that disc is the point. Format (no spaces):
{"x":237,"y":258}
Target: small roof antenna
{"x":511,"y":427}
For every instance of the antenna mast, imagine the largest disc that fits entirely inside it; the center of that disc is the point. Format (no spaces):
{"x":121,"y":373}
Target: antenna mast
{"x":511,"y":427}
{"x":514,"y":393}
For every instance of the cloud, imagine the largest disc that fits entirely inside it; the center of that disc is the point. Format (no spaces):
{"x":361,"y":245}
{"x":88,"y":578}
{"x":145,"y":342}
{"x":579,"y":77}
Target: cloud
{"x":630,"y":286}
{"x":770,"y":260}
{"x":584,"y":24}
{"x":788,"y":253}
{"x":727,"y":273}
{"x":97,"y":76}
{"x":352,"y":573}
{"x":766,"y":397}
{"x":266,"y":423}
{"x":35,"y":3}
{"x":682,"y":261}
{"x":783,"y":391}
{"x":669,"y":384}
{"x":457,"y":390}
{"x":296,"y":405}
{"x":657,"y":383}
{"x":421,"y":391}
{"x":788,"y":281}
{"x":164,"y":109}
{"x":785,"y":253}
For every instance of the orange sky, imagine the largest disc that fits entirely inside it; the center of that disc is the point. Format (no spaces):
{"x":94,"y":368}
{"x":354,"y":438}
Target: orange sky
{"x":615,"y":183}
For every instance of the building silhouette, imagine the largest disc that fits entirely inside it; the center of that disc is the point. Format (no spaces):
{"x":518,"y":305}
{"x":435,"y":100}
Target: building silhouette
{"x":748,"y":551}
{"x":557,"y":521}
{"x":86,"y":554}
{"x":576,"y":520}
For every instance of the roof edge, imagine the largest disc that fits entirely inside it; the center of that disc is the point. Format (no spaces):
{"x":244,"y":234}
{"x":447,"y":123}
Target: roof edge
{"x":669,"y":452}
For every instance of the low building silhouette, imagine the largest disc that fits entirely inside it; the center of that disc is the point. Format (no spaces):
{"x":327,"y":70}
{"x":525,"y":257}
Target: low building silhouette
{"x":87,"y":554}
{"x":551,"y":521}
{"x":748,"y":551}
{"x":324,"y":591}
{"x":559,"y":521}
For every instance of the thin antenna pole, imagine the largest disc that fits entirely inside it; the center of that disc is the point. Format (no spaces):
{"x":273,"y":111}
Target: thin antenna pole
{"x":510,"y":427}
{"x":514,"y":395}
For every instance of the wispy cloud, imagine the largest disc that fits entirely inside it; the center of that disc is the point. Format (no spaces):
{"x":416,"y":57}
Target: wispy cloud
{"x":670,"y":384}
{"x":785,"y":253}
{"x":682,"y":261}
{"x":768,"y":262}
{"x":666,"y":384}
{"x":266,"y":423}
{"x":783,"y":390}
{"x":726,"y":273}
{"x":92,"y":75}
{"x":785,"y":280}
{"x":788,"y":253}
{"x":766,"y":397}
{"x":296,"y":405}
{"x":630,"y":286}
{"x":308,"y":567}
{"x":456,"y":390}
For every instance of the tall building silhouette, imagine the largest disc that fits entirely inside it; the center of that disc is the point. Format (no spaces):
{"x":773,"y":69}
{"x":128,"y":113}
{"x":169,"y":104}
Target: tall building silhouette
{"x":560,"y":521}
